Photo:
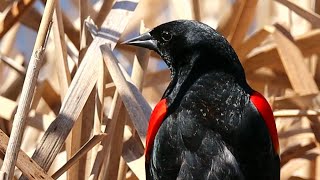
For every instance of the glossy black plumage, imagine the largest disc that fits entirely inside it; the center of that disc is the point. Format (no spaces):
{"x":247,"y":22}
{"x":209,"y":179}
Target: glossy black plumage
{"x":212,"y":130}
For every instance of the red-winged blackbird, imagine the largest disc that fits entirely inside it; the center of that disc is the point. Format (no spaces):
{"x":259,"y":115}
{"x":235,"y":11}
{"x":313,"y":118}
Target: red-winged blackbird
{"x":209,"y":124}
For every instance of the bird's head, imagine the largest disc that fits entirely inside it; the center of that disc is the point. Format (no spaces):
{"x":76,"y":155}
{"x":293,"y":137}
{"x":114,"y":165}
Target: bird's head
{"x":183,"y":42}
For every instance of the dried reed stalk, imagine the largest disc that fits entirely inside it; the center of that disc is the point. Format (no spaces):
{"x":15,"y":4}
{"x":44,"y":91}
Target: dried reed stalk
{"x":244,"y":22}
{"x":104,"y":154}
{"x":196,"y":10}
{"x":230,"y":20}
{"x":28,"y":167}
{"x":14,"y":65}
{"x":308,"y":44}
{"x":293,"y":63}
{"x":81,"y":152}
{"x":253,"y":41}
{"x":12,"y":16}
{"x":103,"y":12}
{"x":78,"y":93}
{"x":134,"y":108}
{"x":310,"y":16}
{"x":28,"y":88}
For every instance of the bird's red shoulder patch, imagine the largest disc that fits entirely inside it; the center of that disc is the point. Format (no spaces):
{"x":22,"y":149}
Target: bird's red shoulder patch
{"x":157,"y":116}
{"x":265,"y":111}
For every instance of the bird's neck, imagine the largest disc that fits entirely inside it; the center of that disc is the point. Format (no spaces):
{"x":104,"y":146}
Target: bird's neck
{"x":180,"y":83}
{"x":181,"y":80}
{"x":184,"y":77}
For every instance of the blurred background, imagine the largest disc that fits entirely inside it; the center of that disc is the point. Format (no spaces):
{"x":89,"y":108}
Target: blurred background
{"x":277,"y":41}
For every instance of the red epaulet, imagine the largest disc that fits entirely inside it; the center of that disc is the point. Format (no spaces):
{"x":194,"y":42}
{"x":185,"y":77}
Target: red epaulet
{"x":265,"y":111}
{"x":157,"y":116}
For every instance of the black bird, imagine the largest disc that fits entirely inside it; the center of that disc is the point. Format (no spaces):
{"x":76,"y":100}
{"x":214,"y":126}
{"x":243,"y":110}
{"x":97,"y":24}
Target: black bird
{"x":209,"y":124}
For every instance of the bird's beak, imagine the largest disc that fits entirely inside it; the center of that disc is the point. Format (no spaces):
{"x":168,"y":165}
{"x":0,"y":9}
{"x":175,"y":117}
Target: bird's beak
{"x":144,"y":40}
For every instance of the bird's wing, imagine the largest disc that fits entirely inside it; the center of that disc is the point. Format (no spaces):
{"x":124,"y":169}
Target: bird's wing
{"x":265,"y":111}
{"x":157,"y":116}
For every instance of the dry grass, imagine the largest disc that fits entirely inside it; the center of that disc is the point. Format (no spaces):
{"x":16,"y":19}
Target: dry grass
{"x":85,"y":117}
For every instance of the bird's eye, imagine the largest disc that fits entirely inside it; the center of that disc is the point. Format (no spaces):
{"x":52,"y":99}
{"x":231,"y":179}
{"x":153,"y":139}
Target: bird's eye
{"x":166,"y":36}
